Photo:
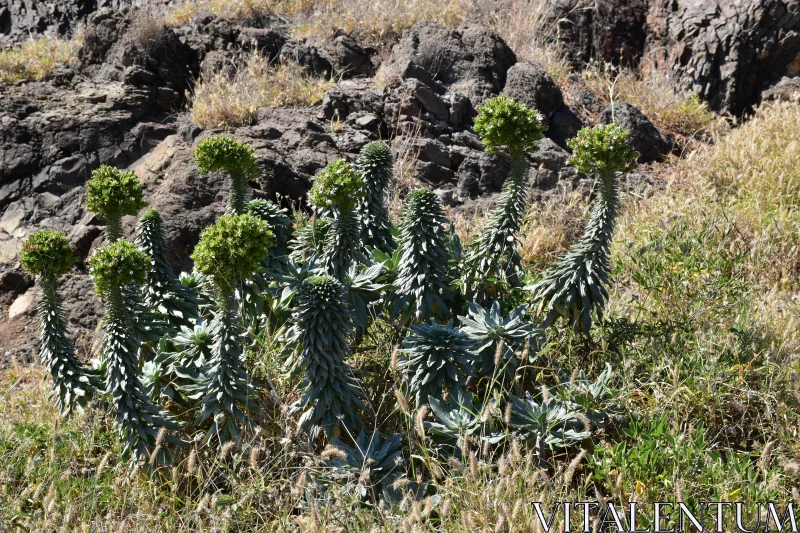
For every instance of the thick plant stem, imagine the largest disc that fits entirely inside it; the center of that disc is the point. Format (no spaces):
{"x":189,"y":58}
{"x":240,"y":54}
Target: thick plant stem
{"x":113,"y":229}
{"x":229,"y":393}
{"x":237,"y":199}
{"x":494,"y":254}
{"x":73,"y":384}
{"x":139,"y":421}
{"x":574,"y":288}
{"x":342,"y":245}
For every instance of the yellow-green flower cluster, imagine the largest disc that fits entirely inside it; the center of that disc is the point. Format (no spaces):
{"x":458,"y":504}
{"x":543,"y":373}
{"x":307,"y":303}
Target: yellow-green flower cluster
{"x":47,"y":252}
{"x":504,"y":124}
{"x":116,"y":265}
{"x":339,"y":185}
{"x":602,"y":150}
{"x":114,"y":193}
{"x":233,"y":247}
{"x":216,"y":154}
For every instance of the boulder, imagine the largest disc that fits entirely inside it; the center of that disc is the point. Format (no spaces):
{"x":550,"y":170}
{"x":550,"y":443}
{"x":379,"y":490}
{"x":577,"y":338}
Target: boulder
{"x":528,"y":83}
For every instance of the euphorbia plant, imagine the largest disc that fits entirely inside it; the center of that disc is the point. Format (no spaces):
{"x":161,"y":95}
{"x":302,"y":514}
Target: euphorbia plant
{"x":438,"y":359}
{"x":218,"y":154}
{"x":115,"y":267}
{"x":575,"y":287}
{"x":492,"y":261}
{"x":47,"y":255}
{"x":340,"y":186}
{"x":375,"y":162}
{"x":228,"y":251}
{"x":163,"y":292}
{"x":331,"y":395}
{"x":423,"y":282}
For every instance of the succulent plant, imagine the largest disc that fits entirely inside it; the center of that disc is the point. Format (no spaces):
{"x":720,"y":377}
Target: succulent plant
{"x":339,"y":186}
{"x":499,"y":337}
{"x":492,"y":262}
{"x":575,"y":287}
{"x":458,"y":420}
{"x":113,"y":268}
{"x":48,"y":255}
{"x":331,"y":394}
{"x":547,"y":425}
{"x":228,"y":251}
{"x":279,"y":222}
{"x":376,"y":163}
{"x":218,"y":154}
{"x":423,"y":280}
{"x":113,"y":194}
{"x":308,"y":242}
{"x":182,"y":360}
{"x":375,"y":465}
{"x":163,"y":292}
{"x":437,"y":358}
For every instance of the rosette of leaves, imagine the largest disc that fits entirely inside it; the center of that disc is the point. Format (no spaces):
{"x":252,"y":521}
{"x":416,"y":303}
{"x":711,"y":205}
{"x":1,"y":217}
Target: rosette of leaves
{"x":375,"y":162}
{"x":182,"y":360}
{"x":423,"y":281}
{"x":226,"y":154}
{"x":163,"y":292}
{"x":47,"y":256}
{"x":597,"y":400}
{"x":492,"y":262}
{"x":279,"y":222}
{"x":437,"y":358}
{"x":575,"y":287}
{"x":375,"y":465}
{"x":498,"y":338}
{"x":113,"y":268}
{"x":545,"y":426}
{"x":340,"y":186}
{"x":112,"y":194}
{"x":229,"y":250}
{"x":331,"y":396}
{"x":459,"y":420}
{"x":308,"y":242}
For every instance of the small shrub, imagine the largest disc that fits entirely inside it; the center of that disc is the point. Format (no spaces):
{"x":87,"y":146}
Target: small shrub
{"x":423,"y":281}
{"x":47,"y":255}
{"x":114,"y":267}
{"x":438,"y":360}
{"x":339,"y":186}
{"x":575,"y":287}
{"x":375,"y":162}
{"x":331,"y":395}
{"x":36,"y":59}
{"x":220,"y":102}
{"x":376,"y":465}
{"x":492,"y":261}
{"x":163,"y":292}
{"x":228,"y":251}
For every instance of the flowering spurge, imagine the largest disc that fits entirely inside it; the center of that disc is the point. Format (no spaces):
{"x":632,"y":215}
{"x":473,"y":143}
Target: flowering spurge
{"x":498,"y":338}
{"x":331,"y":396}
{"x":492,"y":262}
{"x":47,"y":255}
{"x":180,"y":362}
{"x":112,"y":194}
{"x":228,"y":251}
{"x":375,"y":162}
{"x":163,"y":292}
{"x":340,"y":186}
{"x":423,"y":282}
{"x":113,"y":268}
{"x":278,"y":219}
{"x":437,"y":358}
{"x":226,"y":154}
{"x":575,"y":287}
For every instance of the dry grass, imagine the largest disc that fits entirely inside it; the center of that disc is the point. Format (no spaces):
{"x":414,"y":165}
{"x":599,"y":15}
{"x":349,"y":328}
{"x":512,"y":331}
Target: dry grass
{"x":147,"y":29}
{"x":36,"y":59}
{"x":550,"y":229}
{"x":228,"y":103}
{"x":656,"y":98}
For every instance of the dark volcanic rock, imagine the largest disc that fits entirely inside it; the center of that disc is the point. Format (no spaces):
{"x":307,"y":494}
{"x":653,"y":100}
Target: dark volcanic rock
{"x":644,"y":136}
{"x":529,"y":84}
{"x":472,"y":60}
